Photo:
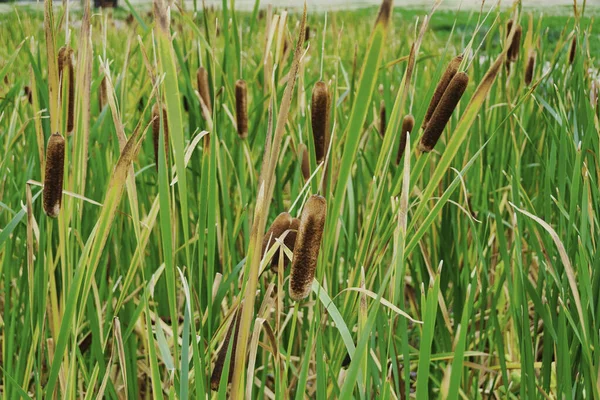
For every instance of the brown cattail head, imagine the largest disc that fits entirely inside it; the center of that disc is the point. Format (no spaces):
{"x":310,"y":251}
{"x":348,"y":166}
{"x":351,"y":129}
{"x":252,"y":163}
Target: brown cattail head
{"x":215,"y":377}
{"x":306,"y":250}
{"x":283,"y":223}
{"x":156,"y":132}
{"x":451,"y":70}
{"x":443,"y":111}
{"x":53,"y":180}
{"x":320,"y":119}
{"x":385,"y":12}
{"x":573,"y":50}
{"x":382,"y":120}
{"x":530,"y":68}
{"x":515,"y":45}
{"x":303,"y":150}
{"x":29,"y":94}
{"x":203,"y":89}
{"x":241,"y":108}
{"x":307,"y":33}
{"x":102,"y":98}
{"x":408,"y":123}
{"x":65,"y":65}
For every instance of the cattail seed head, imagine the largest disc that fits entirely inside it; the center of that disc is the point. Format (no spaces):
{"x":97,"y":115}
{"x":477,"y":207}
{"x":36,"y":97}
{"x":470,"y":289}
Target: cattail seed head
{"x":306,"y":250}
{"x":408,"y":123}
{"x":217,"y":371}
{"x":515,"y":45}
{"x":320,"y":119}
{"x":443,"y":111}
{"x":529,"y":69}
{"x":283,"y":223}
{"x":102,"y":97}
{"x":53,"y":180}
{"x":27,"y":91}
{"x":382,"y":118}
{"x":241,"y":108}
{"x":203,"y":89}
{"x":156,"y":132}
{"x":65,"y":64}
{"x":573,"y":50}
{"x":307,"y":33}
{"x":303,"y":150}
{"x":451,"y":70}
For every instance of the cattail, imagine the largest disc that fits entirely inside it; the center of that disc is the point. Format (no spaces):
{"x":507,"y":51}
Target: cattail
{"x":156,"y":132}
{"x":203,"y":88}
{"x":102,"y":97}
{"x":306,"y":250}
{"x":530,"y":68}
{"x":320,"y":119}
{"x":443,"y":111}
{"x":65,"y":63}
{"x":6,"y":79}
{"x":28,"y":93}
{"x":451,"y":70}
{"x":280,"y":225}
{"x":573,"y":50}
{"x":241,"y":108}
{"x":408,"y":123}
{"x":215,"y":377}
{"x":382,"y":121}
{"x":305,"y":163}
{"x":186,"y":105}
{"x":515,"y":45}
{"x":307,"y":33}
{"x":53,"y":180}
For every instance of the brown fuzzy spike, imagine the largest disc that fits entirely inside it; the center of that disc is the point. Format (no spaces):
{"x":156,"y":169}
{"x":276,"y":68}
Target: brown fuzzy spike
{"x":443,"y":111}
{"x":306,"y":250}
{"x":443,"y":83}
{"x":65,"y":64}
{"x":307,"y":33}
{"x":573,"y":50}
{"x":408,"y":123}
{"x":217,"y":371}
{"x":382,"y":119}
{"x":156,"y":132}
{"x":53,"y":180}
{"x":515,"y":45}
{"x":530,"y":68}
{"x":204,"y":89}
{"x":241,"y":108}
{"x":303,"y":152}
{"x":320,"y":119}
{"x":280,"y":225}
{"x":385,"y":12}
{"x":102,"y":98}
{"x":27,"y":91}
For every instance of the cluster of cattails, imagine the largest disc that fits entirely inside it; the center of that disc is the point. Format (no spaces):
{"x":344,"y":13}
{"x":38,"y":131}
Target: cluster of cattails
{"x":408,"y":123}
{"x":530,"y":68}
{"x":241,"y":108}
{"x":217,"y":371}
{"x":156,"y":132}
{"x":282,"y":224}
{"x":306,"y":250}
{"x":446,"y":97}
{"x":382,"y":118}
{"x":66,"y":72}
{"x":320,"y":119}
{"x":53,"y":179}
{"x":204,"y":89}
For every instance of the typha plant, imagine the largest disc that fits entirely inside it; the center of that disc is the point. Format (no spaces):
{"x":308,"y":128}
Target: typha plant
{"x":156,"y":123}
{"x":515,"y":45}
{"x":67,"y":77}
{"x":307,"y":33}
{"x":217,"y":371}
{"x":283,"y":223}
{"x":320,"y":119}
{"x":530,"y":68}
{"x":443,"y":111}
{"x":102,"y":99}
{"x":241,"y":108}
{"x":308,"y":244}
{"x":443,"y":83}
{"x":382,"y":118}
{"x":204,"y":90}
{"x":408,"y":123}
{"x":53,"y":177}
{"x":573,"y":50}
{"x":303,"y":154}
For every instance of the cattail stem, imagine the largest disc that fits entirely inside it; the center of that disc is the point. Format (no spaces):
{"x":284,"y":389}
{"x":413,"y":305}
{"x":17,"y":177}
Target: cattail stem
{"x":408,"y":123}
{"x":320,"y":119}
{"x":53,"y":180}
{"x":443,"y":111}
{"x":241,"y":108}
{"x":204,"y":89}
{"x":306,"y":250}
{"x":451,"y":70}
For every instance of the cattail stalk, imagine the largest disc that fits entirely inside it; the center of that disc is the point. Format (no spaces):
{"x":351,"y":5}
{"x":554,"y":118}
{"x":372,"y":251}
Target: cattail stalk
{"x":241,"y":108}
{"x":204,"y":89}
{"x":408,"y":123}
{"x":53,"y":179}
{"x":65,"y":65}
{"x":282,"y":223}
{"x":382,"y":119}
{"x":530,"y":68}
{"x":215,"y":377}
{"x":320,"y":119}
{"x":306,"y":250}
{"x":451,"y":70}
{"x":443,"y":111}
{"x":156,"y":132}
